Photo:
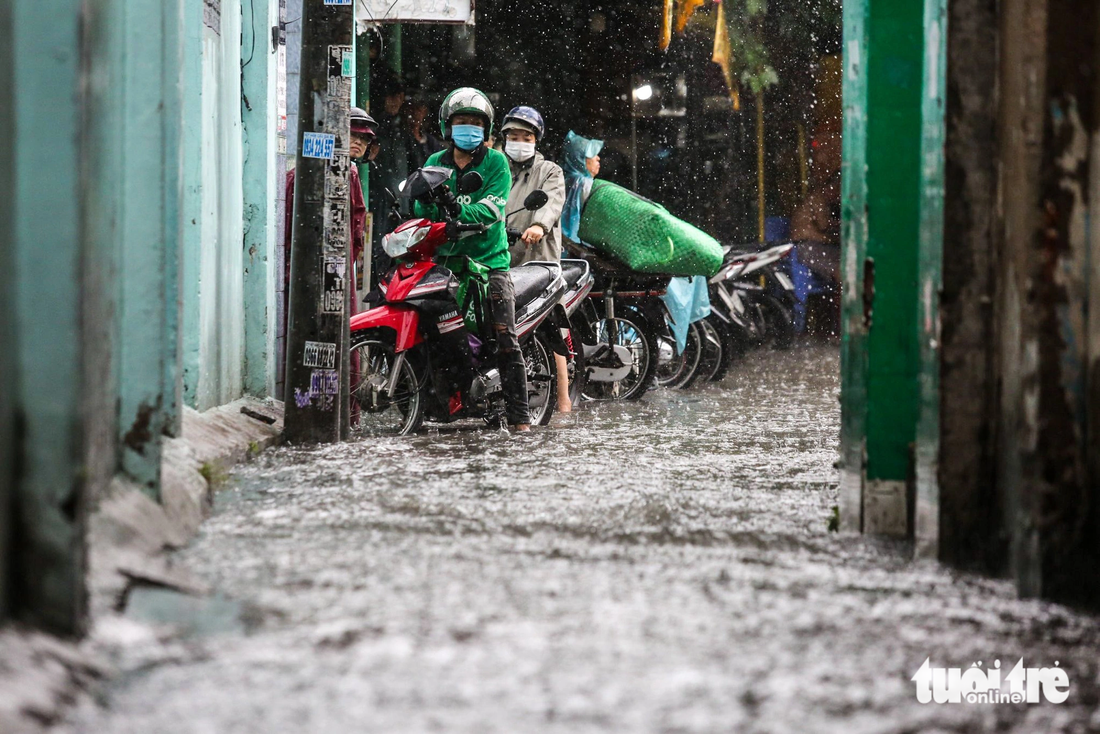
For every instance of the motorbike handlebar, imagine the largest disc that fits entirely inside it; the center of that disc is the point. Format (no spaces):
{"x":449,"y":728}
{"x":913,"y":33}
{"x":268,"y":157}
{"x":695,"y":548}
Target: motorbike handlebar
{"x":470,"y":227}
{"x":513,"y":234}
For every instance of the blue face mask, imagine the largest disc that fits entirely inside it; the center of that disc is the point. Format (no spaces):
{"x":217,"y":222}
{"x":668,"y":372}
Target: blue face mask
{"x":467,"y":137}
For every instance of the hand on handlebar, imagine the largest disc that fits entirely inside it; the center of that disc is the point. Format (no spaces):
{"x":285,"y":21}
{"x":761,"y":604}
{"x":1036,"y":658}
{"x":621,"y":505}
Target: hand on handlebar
{"x":534,"y":234}
{"x":455,"y":229}
{"x":447,"y":201}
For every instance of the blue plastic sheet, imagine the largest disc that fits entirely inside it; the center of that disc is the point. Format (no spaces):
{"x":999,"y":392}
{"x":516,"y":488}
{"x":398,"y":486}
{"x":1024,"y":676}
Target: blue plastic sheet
{"x":688,"y":301}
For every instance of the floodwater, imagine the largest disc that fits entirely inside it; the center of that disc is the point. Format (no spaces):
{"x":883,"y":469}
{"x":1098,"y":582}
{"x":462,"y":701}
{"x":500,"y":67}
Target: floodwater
{"x":662,"y":566}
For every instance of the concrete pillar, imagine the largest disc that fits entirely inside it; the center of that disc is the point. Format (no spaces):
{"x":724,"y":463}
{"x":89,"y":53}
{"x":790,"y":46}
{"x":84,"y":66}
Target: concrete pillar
{"x":258,"y":114}
{"x":8,"y":378}
{"x":147,"y":204}
{"x":884,"y":59}
{"x":191,"y":202}
{"x":959,"y":519}
{"x":41,"y":239}
{"x":293,"y":13}
{"x":1049,"y":121}
{"x":927,"y":504}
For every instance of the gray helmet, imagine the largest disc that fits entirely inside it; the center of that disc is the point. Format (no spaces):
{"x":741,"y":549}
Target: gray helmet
{"x":469,"y":101}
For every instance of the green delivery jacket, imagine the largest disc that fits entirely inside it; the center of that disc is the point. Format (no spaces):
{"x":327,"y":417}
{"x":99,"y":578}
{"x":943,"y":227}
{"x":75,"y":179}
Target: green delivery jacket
{"x":484,"y":206}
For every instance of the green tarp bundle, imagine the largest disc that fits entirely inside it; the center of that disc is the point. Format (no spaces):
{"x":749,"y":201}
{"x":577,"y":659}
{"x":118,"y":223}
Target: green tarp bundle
{"x":644,"y":235}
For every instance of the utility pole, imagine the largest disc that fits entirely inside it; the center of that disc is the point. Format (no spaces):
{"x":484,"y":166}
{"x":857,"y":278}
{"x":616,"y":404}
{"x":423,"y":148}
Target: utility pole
{"x":317,"y":337}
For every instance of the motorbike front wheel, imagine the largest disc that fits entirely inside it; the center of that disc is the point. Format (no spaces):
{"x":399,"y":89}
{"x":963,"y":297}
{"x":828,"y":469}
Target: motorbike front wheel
{"x":385,"y":389}
{"x":542,"y":379}
{"x":680,"y":371}
{"x":734,"y":345}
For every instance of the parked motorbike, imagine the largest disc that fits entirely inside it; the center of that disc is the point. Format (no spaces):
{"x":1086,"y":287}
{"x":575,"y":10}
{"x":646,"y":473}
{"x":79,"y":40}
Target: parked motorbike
{"x":751,"y":303}
{"x":408,"y":365}
{"x":578,"y":284}
{"x":620,"y":324}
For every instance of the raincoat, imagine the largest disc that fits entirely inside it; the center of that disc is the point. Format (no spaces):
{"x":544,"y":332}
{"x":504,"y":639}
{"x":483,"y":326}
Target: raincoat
{"x":688,"y":301}
{"x":578,"y":181}
{"x":534,"y":175}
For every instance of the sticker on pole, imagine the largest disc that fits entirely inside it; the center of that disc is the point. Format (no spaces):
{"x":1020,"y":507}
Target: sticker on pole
{"x":337,"y":2}
{"x":321,"y":355}
{"x":333,"y":295}
{"x":318,"y":145}
{"x":348,"y":67}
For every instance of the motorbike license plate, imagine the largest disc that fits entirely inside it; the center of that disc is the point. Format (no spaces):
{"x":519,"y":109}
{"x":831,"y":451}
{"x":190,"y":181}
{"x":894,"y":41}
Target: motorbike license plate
{"x":784,"y":281}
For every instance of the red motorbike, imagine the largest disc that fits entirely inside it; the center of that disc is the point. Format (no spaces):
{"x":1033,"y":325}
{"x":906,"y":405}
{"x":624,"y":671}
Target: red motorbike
{"x":426,"y":349}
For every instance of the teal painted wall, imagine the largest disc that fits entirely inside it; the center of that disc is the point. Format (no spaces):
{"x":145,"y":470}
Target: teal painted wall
{"x":213,"y":288}
{"x":853,"y":357}
{"x":191,"y":28}
{"x":8,"y":374}
{"x":933,"y":138}
{"x":258,"y":112}
{"x":43,"y":242}
{"x":149,"y":236}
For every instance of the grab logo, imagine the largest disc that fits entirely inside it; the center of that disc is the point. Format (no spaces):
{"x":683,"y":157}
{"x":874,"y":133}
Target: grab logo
{"x":978,"y":684}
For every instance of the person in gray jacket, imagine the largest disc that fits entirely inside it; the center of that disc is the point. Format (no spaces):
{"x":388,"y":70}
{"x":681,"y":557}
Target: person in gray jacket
{"x":522,"y":130}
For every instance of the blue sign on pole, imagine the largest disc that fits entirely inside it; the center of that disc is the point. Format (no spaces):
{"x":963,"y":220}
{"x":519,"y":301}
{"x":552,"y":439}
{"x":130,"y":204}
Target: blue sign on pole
{"x":337,"y":2}
{"x":318,"y":145}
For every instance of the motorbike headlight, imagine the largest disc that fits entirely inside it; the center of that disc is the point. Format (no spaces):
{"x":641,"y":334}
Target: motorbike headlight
{"x":397,"y":243}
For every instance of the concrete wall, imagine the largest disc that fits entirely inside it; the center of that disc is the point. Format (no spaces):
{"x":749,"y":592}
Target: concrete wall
{"x":42,"y":426}
{"x":8,"y":375}
{"x":260,"y":194}
{"x":228,"y":299}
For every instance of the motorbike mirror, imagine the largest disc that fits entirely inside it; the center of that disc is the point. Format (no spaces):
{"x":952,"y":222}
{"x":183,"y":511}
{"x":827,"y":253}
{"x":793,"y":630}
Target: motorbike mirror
{"x":536,"y":200}
{"x":470,"y":182}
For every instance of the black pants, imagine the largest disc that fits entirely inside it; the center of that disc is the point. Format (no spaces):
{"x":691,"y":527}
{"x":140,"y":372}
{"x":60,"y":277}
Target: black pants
{"x":513,"y":371}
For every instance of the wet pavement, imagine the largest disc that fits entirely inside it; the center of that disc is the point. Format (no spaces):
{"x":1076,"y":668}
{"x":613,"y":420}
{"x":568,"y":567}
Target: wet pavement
{"x":662,"y":566}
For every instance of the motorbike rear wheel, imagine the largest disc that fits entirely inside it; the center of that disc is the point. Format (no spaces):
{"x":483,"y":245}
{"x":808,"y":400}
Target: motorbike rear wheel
{"x":381,"y":412}
{"x":713,"y":352}
{"x":635,"y":334}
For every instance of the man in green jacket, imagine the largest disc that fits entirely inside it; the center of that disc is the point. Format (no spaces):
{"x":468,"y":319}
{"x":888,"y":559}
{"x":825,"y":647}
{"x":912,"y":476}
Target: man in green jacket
{"x":466,"y":120}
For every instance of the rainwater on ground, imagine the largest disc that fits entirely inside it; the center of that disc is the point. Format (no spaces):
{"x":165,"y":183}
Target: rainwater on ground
{"x":660,"y":566}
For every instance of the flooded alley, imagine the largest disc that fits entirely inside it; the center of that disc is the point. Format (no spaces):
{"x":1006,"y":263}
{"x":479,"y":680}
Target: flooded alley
{"x":661,"y":566}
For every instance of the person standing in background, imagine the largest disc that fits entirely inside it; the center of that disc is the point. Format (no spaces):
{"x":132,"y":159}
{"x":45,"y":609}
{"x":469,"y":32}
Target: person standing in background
{"x":580,"y":160}
{"x":422,"y":142}
{"x":522,"y":130}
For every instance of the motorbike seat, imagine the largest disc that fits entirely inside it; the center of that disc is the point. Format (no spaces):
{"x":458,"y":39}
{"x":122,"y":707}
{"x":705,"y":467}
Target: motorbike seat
{"x":572,"y":271}
{"x":530,"y":280}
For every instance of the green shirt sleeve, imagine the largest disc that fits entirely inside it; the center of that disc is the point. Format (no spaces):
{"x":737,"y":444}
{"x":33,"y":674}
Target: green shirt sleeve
{"x":487,"y":203}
